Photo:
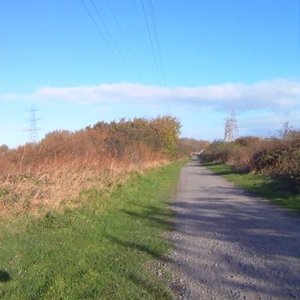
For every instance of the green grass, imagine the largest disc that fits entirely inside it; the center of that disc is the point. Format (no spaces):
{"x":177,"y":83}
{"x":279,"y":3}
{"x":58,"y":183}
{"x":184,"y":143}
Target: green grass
{"x":271,"y":188}
{"x":97,"y":252}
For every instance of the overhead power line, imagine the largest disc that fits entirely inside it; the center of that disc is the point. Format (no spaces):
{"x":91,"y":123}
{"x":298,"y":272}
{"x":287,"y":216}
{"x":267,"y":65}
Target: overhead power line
{"x":150,"y":38}
{"x":152,"y":31}
{"x":126,"y":43}
{"x":152,"y":14}
{"x":144,"y":34}
{"x":106,"y":36}
{"x":106,"y":28}
{"x":106,"y":33}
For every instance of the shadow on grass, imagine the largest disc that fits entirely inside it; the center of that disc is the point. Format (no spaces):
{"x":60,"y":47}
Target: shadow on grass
{"x":220,"y":169}
{"x":137,"y":247}
{"x":147,"y":285}
{"x":152,"y":289}
{"x":208,"y":164}
{"x":145,"y":246}
{"x":277,"y":189}
{"x":154,"y":216}
{"x":227,"y":172}
{"x":4,"y":276}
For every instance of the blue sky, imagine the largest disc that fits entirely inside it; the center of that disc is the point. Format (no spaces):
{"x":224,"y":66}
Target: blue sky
{"x":79,"y":62}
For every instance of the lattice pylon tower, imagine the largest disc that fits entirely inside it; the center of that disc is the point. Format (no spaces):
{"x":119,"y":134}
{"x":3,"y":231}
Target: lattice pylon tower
{"x":33,"y":136}
{"x":231,"y":128}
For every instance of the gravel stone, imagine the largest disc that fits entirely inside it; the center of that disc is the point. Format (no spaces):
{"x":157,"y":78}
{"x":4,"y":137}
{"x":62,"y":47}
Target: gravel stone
{"x":229,"y":244}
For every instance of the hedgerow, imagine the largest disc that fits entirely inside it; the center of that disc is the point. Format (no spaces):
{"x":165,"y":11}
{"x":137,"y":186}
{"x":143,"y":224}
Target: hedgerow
{"x":279,"y":157}
{"x":52,"y":172}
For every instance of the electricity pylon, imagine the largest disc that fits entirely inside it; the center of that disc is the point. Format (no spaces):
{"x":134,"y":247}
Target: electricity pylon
{"x":231,"y":129}
{"x":33,"y":136}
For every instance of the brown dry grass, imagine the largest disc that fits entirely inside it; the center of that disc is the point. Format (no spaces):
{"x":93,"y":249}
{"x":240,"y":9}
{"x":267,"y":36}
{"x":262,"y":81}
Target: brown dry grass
{"x":57,"y":185}
{"x":51,"y":174}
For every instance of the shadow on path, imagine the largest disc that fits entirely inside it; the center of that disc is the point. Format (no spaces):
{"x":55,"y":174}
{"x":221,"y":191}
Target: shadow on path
{"x":232,"y":244}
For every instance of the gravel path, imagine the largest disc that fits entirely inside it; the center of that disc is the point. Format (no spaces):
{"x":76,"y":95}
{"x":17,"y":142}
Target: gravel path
{"x":229,"y":245}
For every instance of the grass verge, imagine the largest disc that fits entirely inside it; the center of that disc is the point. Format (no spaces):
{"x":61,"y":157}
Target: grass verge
{"x":102,"y":251}
{"x":265,"y":186}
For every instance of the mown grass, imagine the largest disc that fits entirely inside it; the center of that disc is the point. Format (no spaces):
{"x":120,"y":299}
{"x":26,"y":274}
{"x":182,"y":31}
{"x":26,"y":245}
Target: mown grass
{"x":274,"y":189}
{"x":102,"y":251}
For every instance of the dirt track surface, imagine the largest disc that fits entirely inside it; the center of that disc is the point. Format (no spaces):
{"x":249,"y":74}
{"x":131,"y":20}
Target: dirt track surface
{"x":229,"y":245}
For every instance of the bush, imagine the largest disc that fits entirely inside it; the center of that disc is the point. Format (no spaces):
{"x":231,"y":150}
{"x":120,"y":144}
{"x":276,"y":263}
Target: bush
{"x":159,"y":134}
{"x":65,"y":162}
{"x":188,"y":145}
{"x":275,"y":156}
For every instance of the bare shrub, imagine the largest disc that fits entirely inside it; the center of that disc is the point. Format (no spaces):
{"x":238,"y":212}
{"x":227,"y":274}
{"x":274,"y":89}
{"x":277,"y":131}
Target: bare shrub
{"x":51,"y":174}
{"x":281,"y":159}
{"x":219,"y":151}
{"x":188,"y":145}
{"x":274,"y":156}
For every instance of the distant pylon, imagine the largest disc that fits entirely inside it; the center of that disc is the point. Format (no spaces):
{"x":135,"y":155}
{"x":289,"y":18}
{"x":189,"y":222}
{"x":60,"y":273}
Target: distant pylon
{"x":231,"y":129}
{"x":33,"y":136}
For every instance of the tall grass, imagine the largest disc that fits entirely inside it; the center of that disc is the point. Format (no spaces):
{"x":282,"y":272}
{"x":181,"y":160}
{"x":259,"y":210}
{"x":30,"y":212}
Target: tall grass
{"x":51,"y":173}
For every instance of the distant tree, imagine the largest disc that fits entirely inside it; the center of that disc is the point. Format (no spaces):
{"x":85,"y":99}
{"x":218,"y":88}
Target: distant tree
{"x":159,"y":134}
{"x":168,"y":129}
{"x":188,"y":145}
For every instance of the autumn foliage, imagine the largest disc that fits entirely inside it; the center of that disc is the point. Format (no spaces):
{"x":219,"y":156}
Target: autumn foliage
{"x":189,"y":145}
{"x":279,"y":157}
{"x":55,"y":170}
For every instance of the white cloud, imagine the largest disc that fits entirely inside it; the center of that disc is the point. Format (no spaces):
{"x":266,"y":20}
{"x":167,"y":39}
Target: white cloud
{"x":273,"y":95}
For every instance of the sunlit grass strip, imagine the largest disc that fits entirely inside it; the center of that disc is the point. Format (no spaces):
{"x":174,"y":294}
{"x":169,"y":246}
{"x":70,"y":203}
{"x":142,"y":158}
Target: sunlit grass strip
{"x":102,"y":251}
{"x":261,"y":185}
